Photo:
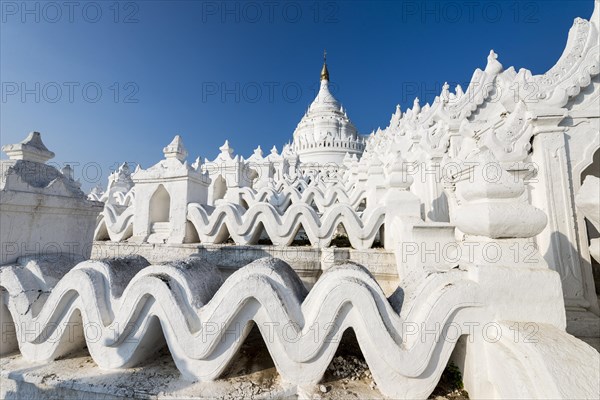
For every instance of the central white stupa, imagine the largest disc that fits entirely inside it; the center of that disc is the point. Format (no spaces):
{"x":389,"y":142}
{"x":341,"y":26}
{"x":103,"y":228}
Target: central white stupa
{"x":325,"y":134}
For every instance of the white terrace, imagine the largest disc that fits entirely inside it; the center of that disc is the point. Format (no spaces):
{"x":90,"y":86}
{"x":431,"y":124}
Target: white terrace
{"x":478,"y":210}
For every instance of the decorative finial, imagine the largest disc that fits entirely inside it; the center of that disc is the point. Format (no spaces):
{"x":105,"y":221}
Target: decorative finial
{"x":493,"y":66}
{"x":176,"y":149}
{"x":324,"y":71}
{"x":416,"y":107}
{"x":197,"y":163}
{"x":226,"y":149}
{"x":30,"y":149}
{"x":459,"y":91}
{"x":445,"y":92}
{"x":67,"y":171}
{"x":396,"y":116}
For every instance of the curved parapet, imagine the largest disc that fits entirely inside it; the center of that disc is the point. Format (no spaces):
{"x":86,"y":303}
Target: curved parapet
{"x":319,"y":179}
{"x":321,"y":198}
{"x":579,"y":62}
{"x":124,"y":198}
{"x":216,"y":225}
{"x":113,"y":225}
{"x":132,"y":307}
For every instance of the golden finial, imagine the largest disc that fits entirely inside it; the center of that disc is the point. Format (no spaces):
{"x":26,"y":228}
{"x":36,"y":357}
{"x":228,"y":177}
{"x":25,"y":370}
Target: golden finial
{"x":324,"y":72}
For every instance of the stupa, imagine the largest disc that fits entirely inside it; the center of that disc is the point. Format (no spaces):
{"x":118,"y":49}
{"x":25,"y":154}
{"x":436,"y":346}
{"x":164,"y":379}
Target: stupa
{"x":325,"y":134}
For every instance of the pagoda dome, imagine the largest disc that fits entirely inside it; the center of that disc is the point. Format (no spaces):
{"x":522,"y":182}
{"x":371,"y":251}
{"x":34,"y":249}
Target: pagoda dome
{"x":325,"y":133}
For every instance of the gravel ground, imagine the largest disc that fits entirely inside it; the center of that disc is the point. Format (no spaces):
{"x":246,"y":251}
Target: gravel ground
{"x":250,"y":375}
{"x":348,"y":376}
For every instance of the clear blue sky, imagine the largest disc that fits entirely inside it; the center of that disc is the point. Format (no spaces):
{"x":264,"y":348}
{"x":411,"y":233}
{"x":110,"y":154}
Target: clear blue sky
{"x":245,"y":71}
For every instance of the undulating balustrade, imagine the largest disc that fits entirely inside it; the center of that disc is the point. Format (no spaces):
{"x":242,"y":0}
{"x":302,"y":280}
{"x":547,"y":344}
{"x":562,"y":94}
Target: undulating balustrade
{"x":314,"y":204}
{"x":315,"y":196}
{"x":407,"y":338}
{"x":228,"y":220}
{"x":134,"y":307}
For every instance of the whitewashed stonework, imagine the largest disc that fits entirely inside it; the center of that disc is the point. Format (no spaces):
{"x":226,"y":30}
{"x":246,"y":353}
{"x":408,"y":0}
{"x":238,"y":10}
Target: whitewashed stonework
{"x":588,"y":202}
{"x":43,"y":210}
{"x":481,"y":198}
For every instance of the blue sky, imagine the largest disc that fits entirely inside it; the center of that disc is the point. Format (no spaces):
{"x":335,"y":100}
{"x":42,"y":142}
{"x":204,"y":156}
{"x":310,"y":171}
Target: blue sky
{"x":107,"y":82}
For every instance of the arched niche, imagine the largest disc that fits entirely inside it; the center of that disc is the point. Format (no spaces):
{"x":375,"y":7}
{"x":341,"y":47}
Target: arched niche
{"x":593,"y":169}
{"x":160,"y":205}
{"x":219,"y":188}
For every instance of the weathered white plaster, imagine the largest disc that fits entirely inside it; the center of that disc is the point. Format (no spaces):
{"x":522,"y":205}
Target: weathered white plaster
{"x":43,"y":210}
{"x":492,"y":263}
{"x":588,"y":202}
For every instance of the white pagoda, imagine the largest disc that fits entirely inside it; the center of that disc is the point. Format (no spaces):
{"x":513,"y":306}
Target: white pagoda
{"x":325,"y":134}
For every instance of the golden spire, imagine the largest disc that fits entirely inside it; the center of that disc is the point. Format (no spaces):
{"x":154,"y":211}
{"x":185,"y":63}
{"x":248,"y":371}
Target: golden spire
{"x":324,"y":72}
